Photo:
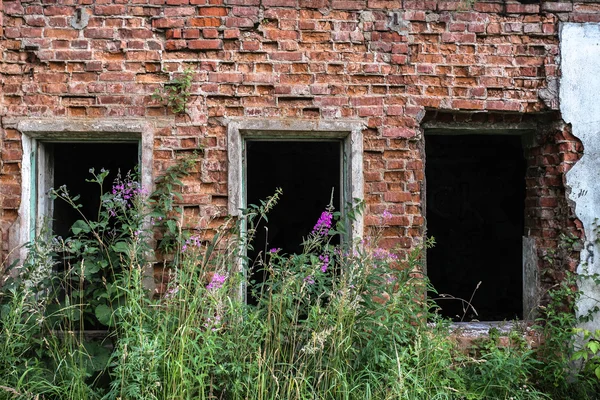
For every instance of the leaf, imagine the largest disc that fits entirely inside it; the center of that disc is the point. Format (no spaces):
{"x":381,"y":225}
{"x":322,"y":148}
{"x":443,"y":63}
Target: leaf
{"x":98,"y":356}
{"x":80,"y":226}
{"x":597,"y":371}
{"x":172,"y":226}
{"x":593,"y":346}
{"x":120,"y":247}
{"x":104,"y":314}
{"x":579,"y":355}
{"x":91,"y":267}
{"x":73,"y":314}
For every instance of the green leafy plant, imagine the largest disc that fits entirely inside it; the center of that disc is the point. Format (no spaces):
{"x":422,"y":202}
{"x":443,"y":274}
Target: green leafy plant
{"x":176,"y":93}
{"x":503,"y":371}
{"x":163,"y":202}
{"x":97,"y":250}
{"x":589,"y":351}
{"x":557,"y":325}
{"x":349,"y":321}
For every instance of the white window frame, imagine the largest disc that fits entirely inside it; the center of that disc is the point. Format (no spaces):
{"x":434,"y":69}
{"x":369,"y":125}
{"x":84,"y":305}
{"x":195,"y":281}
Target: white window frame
{"x":348,"y":131}
{"x":36,"y":181}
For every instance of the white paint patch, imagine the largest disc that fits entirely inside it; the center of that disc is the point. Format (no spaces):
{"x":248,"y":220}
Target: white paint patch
{"x":580,"y":106}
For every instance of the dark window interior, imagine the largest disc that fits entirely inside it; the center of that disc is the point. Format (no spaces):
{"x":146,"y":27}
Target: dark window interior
{"x":307,"y":172}
{"x":72,"y":162}
{"x":475,"y":211}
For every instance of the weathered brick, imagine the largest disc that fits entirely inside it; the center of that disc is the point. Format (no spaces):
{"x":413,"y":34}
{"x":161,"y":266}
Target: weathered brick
{"x":162,"y":23}
{"x":397,"y":197}
{"x":237,"y":22}
{"x":556,"y":6}
{"x":513,"y":8}
{"x":97,"y":33}
{"x":231,"y":33}
{"x":212,"y":11}
{"x":113,"y":9}
{"x":204,"y":44}
{"x":458,"y":37}
{"x":179,"y":11}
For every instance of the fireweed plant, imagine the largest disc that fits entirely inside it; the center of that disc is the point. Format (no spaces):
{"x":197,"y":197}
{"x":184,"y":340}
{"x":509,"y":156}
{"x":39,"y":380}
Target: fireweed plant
{"x":347,"y":321}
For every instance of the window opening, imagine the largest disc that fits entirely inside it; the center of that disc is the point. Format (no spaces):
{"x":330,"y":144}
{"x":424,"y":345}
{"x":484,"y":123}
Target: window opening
{"x":475,"y":210}
{"x":69,"y":163}
{"x":72,"y":163}
{"x":308,"y":172}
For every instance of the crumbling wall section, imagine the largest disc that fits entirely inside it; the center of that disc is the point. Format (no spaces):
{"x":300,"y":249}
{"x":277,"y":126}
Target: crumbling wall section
{"x":550,"y":216}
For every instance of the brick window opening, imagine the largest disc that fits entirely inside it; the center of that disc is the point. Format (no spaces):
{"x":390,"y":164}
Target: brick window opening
{"x":71,"y":162}
{"x":475,"y":210}
{"x":308,"y":172}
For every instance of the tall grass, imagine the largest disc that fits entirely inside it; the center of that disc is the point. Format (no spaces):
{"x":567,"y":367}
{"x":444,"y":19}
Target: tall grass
{"x":346,"y":321}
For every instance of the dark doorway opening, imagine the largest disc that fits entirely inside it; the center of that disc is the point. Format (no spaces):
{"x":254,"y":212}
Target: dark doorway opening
{"x":72,"y":163}
{"x":307,"y":172}
{"x":475,"y":211}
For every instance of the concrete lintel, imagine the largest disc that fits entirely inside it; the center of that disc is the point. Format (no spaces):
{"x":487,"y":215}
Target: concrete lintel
{"x":76,"y":129}
{"x":291,"y":126}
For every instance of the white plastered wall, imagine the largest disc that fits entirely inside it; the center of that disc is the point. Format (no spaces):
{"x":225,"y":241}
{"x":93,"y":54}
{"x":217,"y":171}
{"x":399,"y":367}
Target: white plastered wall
{"x":580,"y":106}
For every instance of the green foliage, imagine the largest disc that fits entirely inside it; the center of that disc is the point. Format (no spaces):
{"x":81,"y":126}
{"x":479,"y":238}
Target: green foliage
{"x":557,"y":324}
{"x":176,"y":93}
{"x":162,"y":202}
{"x":91,"y":258}
{"x":589,"y":351}
{"x":503,"y":372}
{"x":347,"y":321}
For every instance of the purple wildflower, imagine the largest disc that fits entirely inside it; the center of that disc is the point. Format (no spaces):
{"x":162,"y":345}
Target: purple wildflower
{"x":309,"y":280}
{"x":172,"y":292}
{"x":325,"y":260}
{"x":274,"y":250}
{"x":194,"y":241}
{"x":323,"y":225}
{"x":213,"y":323}
{"x":124,"y":192}
{"x":383,"y":254}
{"x":216,"y":282}
{"x":386,"y":215}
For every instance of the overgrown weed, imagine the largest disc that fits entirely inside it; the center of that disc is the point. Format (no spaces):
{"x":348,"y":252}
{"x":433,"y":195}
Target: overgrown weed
{"x":348,"y":321}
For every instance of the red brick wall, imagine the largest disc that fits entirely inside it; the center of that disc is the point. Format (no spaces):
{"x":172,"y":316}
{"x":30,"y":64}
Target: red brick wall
{"x":302,"y":59}
{"x":549,"y":215}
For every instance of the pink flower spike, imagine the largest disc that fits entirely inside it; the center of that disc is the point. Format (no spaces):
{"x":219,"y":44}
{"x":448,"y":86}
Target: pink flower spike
{"x":323,"y":225}
{"x":387,"y":215}
{"x":325,"y":260}
{"x":216,"y":282}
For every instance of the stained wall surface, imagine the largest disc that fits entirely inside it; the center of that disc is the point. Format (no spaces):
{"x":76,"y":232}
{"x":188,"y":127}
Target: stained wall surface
{"x":580,"y":106}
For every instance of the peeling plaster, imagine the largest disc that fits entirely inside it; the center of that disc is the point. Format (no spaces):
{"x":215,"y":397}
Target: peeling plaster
{"x":580,"y":106}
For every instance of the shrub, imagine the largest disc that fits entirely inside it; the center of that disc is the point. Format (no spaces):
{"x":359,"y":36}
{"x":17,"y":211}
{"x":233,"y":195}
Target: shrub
{"x":348,"y":321}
